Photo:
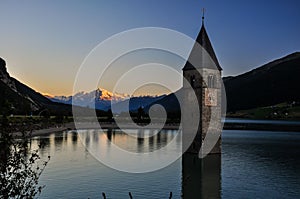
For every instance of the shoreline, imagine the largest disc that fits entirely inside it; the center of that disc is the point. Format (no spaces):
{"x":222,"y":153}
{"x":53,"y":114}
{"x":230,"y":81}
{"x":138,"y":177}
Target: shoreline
{"x":227,"y":126}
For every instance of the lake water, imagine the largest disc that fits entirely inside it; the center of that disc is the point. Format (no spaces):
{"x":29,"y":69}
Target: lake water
{"x":253,"y":164}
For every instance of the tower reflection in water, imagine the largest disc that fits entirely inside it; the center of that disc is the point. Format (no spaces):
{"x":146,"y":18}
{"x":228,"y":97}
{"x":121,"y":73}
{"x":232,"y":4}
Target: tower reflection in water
{"x":201,"y":178}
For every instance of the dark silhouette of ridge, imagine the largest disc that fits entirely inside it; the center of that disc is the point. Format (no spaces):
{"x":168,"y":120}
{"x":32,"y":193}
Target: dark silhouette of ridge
{"x":273,"y":83}
{"x":17,"y":98}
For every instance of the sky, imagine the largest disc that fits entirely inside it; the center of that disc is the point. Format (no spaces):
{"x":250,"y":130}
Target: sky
{"x":45,"y":42}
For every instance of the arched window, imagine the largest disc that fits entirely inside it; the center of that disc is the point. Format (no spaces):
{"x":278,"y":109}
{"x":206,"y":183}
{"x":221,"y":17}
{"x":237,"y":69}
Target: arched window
{"x":192,"y":81}
{"x":211,"y":80}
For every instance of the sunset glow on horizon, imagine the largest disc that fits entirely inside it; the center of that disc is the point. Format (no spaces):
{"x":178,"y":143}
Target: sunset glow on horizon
{"x":45,"y":43}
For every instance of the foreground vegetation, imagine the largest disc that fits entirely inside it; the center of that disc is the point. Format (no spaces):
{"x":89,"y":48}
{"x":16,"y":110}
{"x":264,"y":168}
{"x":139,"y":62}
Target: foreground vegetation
{"x":20,"y":166}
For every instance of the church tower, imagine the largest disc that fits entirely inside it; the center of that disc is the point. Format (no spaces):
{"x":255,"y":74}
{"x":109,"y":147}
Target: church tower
{"x":202,"y":73}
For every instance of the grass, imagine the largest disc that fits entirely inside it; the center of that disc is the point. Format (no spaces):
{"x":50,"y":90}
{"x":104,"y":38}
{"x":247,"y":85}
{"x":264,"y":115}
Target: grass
{"x":283,"y":111}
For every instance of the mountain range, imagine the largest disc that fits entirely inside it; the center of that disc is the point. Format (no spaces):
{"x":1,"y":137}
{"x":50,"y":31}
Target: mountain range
{"x":99,"y":98}
{"x":102,"y":99}
{"x":273,"y":83}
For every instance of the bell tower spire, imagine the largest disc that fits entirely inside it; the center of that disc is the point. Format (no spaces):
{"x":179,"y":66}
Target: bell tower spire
{"x":203,"y":12}
{"x":204,"y":79}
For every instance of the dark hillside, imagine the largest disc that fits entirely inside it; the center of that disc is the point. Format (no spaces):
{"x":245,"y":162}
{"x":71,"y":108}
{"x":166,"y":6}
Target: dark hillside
{"x":270,"y":84}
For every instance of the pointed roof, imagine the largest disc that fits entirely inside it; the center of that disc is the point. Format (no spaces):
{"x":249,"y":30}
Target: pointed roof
{"x":204,"y":41}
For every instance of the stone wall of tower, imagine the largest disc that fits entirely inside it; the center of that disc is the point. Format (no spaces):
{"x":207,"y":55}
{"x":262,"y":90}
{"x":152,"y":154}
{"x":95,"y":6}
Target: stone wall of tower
{"x":211,"y":115}
{"x":189,"y":107}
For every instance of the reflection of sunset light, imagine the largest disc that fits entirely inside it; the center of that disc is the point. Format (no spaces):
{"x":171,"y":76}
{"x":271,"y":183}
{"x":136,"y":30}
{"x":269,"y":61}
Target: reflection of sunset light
{"x":102,"y":137}
{"x":66,"y":148}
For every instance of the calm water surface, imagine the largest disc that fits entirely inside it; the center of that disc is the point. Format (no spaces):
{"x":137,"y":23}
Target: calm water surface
{"x":254,"y":164}
{"x":253,"y":121}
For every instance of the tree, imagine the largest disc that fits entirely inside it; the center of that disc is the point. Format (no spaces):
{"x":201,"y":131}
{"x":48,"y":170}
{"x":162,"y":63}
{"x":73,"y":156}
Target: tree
{"x":20,"y":168}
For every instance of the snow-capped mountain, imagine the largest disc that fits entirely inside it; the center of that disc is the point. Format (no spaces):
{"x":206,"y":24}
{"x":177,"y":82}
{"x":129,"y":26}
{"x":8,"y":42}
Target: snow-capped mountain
{"x":100,"y":97}
{"x":103,"y":100}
